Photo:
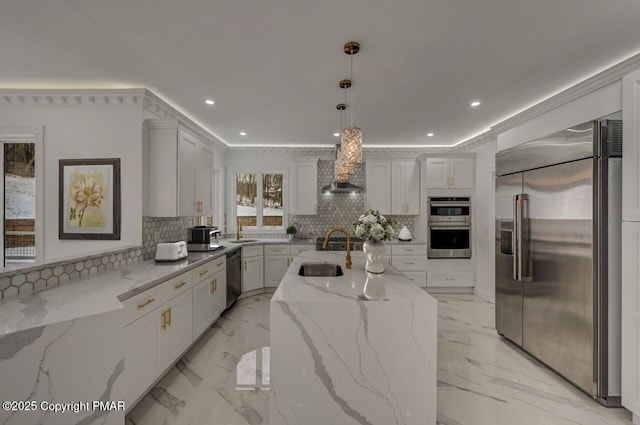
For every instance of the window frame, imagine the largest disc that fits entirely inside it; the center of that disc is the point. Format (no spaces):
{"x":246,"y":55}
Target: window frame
{"x":15,"y":134}
{"x":259,"y":204}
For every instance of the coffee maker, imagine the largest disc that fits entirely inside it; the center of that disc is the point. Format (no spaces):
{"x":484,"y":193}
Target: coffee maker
{"x":203,"y":238}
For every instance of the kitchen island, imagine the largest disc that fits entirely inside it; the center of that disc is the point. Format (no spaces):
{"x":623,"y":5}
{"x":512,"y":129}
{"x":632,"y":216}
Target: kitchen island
{"x":337,"y":359}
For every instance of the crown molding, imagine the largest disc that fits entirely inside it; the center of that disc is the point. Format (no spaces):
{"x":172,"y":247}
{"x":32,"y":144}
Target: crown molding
{"x":69,"y":97}
{"x":597,"y":81}
{"x":161,"y":108}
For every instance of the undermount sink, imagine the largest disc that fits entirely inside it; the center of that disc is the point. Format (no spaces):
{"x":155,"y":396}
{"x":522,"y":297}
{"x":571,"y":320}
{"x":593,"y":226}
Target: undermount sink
{"x":320,"y":270}
{"x":244,"y":241}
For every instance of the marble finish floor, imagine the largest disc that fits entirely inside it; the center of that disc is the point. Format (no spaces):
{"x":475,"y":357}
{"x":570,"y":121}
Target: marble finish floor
{"x":482,"y":379}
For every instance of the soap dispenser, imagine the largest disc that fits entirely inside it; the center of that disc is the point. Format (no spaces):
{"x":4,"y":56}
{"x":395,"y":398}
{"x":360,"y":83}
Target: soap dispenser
{"x":404,"y":234}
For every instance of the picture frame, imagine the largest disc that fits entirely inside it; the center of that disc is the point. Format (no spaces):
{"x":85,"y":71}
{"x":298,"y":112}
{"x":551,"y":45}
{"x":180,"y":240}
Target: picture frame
{"x":89,"y":199}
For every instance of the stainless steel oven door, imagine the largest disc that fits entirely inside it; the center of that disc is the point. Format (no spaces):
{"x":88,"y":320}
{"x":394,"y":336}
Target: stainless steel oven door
{"x":449,"y":241}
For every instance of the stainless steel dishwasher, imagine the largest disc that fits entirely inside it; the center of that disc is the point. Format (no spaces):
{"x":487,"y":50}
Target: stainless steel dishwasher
{"x":234,"y":277}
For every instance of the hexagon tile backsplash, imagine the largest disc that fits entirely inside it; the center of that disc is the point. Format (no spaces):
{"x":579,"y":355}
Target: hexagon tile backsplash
{"x":30,"y":279}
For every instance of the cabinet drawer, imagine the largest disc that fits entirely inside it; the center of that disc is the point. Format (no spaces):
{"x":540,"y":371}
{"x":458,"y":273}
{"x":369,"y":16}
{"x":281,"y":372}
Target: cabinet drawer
{"x":419,"y":278}
{"x":208,"y":269}
{"x":141,"y":304}
{"x":252,"y":251}
{"x":277,"y":250}
{"x":409,"y":263}
{"x":453,"y":278}
{"x":299,"y":249}
{"x":173,"y":287}
{"x":413,"y":249}
{"x":219,"y":264}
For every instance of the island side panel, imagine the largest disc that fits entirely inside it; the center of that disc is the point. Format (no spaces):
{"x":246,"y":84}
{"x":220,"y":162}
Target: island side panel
{"x":72,"y":361}
{"x":353,"y":362}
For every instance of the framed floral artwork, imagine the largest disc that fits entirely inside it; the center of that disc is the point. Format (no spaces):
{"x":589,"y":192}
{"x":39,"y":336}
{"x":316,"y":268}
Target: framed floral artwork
{"x":89,"y":199}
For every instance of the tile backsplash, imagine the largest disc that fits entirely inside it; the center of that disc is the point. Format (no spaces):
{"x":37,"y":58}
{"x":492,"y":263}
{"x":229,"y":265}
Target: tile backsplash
{"x":338,"y":209}
{"x":163,"y":229}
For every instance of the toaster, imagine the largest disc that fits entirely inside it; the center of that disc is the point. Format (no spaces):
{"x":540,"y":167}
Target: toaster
{"x":171,"y":251}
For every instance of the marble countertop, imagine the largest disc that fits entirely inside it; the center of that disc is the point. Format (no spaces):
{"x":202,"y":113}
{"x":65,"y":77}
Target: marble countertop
{"x":348,"y":287}
{"x":103,"y":292}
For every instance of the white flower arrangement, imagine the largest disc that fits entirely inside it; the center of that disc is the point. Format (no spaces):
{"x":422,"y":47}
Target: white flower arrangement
{"x":373,"y":226}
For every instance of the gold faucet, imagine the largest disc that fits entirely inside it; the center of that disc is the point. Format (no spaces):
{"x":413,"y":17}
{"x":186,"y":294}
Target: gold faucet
{"x":343,"y":230}
{"x":239,"y":230}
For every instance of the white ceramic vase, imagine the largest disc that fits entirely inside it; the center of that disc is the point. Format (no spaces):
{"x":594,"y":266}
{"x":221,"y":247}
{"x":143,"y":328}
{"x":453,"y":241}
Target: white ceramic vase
{"x":374,"y":252}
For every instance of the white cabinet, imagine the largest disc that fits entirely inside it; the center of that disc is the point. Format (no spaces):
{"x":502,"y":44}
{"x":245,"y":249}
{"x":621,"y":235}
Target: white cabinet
{"x":405,"y":187}
{"x":450,"y":273}
{"x":218,"y":294}
{"x":201,"y":308}
{"x":630,"y":316}
{"x":278,"y":258}
{"x":141,"y":356}
{"x":178,"y":171}
{"x":631,"y":157}
{"x":378,"y":185}
{"x":175,"y":322}
{"x":411,"y":259}
{"x":304,"y":188}
{"x":449,"y":173}
{"x":252,"y":268}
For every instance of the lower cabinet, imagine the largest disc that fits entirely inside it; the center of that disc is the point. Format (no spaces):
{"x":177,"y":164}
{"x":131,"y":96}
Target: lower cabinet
{"x":163,"y":322}
{"x":411,"y":260}
{"x":450,"y":273}
{"x":209,"y":300}
{"x":141,"y":356}
{"x":252,"y":273}
{"x":278,"y":258}
{"x":175,"y":323}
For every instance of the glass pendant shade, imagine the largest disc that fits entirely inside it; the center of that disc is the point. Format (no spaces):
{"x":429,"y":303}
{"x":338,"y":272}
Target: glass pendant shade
{"x":341,"y":174}
{"x":351,"y":149}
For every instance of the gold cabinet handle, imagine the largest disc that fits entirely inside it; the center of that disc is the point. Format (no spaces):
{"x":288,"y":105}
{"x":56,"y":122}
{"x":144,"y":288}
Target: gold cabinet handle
{"x":276,"y":250}
{"x":169,"y":314}
{"x":164,"y":320}
{"x":408,"y":263}
{"x":219,"y":264}
{"x":213,"y":285}
{"x":147,"y":302}
{"x":449,"y":278}
{"x":245,"y":264}
{"x":408,"y":250}
{"x":180,"y":285}
{"x":204,"y":272}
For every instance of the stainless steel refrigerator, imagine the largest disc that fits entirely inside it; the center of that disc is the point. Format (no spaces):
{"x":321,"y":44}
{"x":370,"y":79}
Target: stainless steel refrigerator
{"x":558,"y":221}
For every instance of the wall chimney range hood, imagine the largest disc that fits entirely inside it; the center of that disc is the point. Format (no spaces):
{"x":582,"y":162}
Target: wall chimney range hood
{"x":341,"y":187}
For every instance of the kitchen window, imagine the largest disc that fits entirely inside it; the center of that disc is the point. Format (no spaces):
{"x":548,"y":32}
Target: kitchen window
{"x":260,"y":200}
{"x":21,"y":212}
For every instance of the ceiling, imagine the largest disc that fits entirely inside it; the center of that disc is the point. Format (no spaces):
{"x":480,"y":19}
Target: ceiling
{"x":273,"y":67}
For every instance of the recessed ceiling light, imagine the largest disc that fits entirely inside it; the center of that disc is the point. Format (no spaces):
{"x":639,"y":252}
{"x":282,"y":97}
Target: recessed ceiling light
{"x":475,"y":103}
{"x":209,"y":102}
{"x":242,"y":133}
{"x":429,"y":134}
{"x":336,"y":134}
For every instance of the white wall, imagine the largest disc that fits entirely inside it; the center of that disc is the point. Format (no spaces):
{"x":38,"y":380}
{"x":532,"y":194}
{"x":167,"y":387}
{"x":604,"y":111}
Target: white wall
{"x":484,"y":221}
{"x":87,"y":131}
{"x":596,"y":104}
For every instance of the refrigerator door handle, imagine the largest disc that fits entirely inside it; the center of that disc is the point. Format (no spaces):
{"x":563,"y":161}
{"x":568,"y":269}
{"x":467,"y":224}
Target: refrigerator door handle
{"x":522,"y":238}
{"x":515,"y":239}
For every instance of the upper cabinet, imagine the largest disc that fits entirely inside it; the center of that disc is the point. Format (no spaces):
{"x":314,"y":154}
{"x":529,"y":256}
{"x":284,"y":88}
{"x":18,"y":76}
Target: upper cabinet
{"x":179,"y":171}
{"x":304,"y":188}
{"x":378,"y":185}
{"x":405,"y":187}
{"x":449,"y":173}
{"x":393,"y":187}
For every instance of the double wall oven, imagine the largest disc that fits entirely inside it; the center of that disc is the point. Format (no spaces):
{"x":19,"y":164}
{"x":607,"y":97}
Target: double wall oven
{"x":449,"y":221}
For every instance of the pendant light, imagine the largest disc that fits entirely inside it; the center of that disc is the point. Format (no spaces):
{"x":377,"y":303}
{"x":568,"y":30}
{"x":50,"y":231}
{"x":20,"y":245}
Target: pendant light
{"x":341,"y":173}
{"x":351,"y":137}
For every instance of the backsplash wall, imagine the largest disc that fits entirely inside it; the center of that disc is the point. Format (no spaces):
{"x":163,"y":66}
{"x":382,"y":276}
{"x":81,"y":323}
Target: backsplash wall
{"x":163,"y":229}
{"x":338,"y":209}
